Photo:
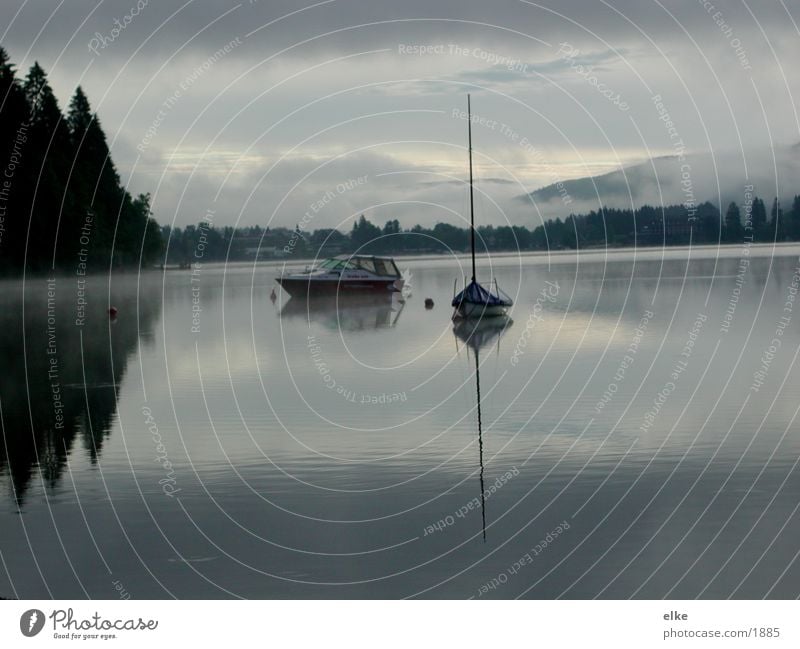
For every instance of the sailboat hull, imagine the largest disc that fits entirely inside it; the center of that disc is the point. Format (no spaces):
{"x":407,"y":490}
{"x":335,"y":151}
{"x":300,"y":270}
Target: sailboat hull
{"x":471,"y":310}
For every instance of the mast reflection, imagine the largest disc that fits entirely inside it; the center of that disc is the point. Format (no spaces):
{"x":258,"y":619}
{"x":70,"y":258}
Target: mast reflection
{"x":477,"y":334}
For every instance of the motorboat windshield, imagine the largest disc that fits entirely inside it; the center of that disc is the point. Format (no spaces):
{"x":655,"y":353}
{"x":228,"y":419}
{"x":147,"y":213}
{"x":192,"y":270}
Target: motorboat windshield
{"x":384,"y":266}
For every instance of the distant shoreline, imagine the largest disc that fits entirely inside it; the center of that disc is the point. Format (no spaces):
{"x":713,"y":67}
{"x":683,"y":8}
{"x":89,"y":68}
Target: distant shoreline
{"x":506,"y":254}
{"x":503,"y":255}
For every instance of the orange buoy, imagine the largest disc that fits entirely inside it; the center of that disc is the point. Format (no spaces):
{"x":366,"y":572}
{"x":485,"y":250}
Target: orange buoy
{"x":428,"y":303}
{"x":112,"y":312}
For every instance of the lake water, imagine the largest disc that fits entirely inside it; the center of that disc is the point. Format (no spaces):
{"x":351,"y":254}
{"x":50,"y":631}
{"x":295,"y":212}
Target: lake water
{"x":638,"y":434}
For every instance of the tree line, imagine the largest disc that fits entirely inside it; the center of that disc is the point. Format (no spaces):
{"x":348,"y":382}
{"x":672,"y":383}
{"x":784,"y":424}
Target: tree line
{"x":61,"y":200}
{"x":645,"y":226}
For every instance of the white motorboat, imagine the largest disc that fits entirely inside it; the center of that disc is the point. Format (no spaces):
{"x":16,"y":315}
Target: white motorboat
{"x":345,"y":274}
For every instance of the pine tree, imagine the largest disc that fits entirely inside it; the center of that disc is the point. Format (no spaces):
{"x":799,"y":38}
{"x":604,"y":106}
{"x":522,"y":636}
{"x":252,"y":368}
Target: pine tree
{"x":80,"y":115}
{"x":733,"y":223}
{"x":776,"y":223}
{"x":708,"y":217}
{"x":363,"y":234}
{"x":759,"y":220}
{"x":47,"y":169}
{"x":146,"y":246}
{"x":97,"y":189}
{"x":14,"y":134}
{"x":793,"y":224}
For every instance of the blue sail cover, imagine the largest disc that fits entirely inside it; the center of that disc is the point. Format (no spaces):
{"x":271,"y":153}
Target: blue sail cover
{"x":474,"y":293}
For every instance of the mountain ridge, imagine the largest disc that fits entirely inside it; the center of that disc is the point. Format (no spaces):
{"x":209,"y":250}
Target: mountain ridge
{"x":663,"y":180}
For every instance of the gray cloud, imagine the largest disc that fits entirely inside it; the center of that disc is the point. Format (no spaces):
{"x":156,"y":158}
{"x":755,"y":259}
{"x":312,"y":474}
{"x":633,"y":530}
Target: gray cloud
{"x":304,"y":84}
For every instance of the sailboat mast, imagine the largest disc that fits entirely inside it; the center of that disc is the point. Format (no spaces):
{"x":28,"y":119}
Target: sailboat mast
{"x":471,"y":206}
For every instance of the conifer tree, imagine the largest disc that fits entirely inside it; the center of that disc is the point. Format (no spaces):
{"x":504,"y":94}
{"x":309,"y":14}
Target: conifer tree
{"x":759,"y":219}
{"x":793,"y":222}
{"x":61,"y":172}
{"x":776,"y":223}
{"x":14,"y":135}
{"x":733,"y":223}
{"x":46,"y":170}
{"x":95,"y":182}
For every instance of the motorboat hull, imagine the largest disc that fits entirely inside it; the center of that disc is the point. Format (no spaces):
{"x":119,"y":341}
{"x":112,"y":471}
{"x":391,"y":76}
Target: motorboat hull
{"x":312,"y":287}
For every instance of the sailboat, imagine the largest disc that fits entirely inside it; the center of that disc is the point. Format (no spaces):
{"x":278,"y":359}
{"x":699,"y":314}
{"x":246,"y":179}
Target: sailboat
{"x":476,"y":301}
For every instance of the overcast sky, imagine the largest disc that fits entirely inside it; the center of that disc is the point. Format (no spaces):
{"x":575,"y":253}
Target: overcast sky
{"x":259,"y":112}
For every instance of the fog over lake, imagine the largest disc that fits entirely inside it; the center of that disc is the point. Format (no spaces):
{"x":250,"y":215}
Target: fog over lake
{"x":637,"y":438}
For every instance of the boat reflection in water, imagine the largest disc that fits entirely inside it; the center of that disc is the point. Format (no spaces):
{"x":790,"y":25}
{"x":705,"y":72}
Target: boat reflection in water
{"x":478,"y":334}
{"x":346,"y":312}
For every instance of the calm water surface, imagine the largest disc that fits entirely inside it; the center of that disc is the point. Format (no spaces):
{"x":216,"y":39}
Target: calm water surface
{"x":638,"y":434}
